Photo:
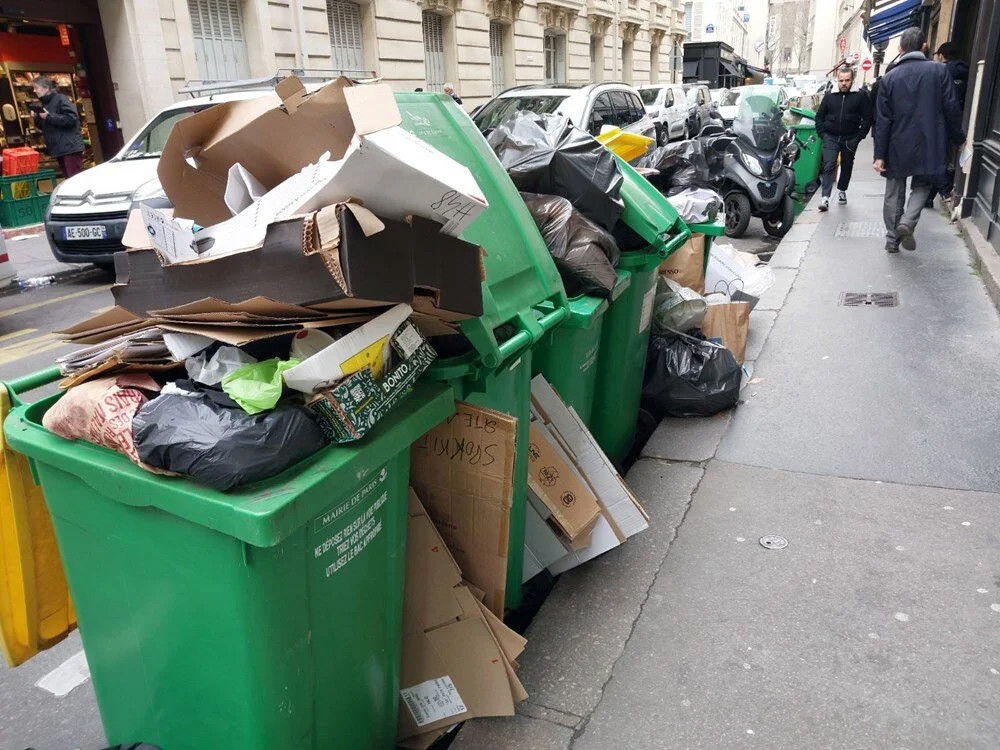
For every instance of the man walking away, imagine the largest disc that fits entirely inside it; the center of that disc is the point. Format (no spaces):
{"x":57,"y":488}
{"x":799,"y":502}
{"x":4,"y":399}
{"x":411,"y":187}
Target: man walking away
{"x":842,"y":121}
{"x":59,"y":122}
{"x":918,"y":115}
{"x":948,"y":55}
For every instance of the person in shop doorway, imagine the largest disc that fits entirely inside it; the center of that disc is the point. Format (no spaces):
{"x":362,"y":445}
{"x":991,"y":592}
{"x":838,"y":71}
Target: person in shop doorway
{"x":843,"y":120}
{"x":918,"y":116}
{"x":59,"y":122}
{"x":449,"y":89}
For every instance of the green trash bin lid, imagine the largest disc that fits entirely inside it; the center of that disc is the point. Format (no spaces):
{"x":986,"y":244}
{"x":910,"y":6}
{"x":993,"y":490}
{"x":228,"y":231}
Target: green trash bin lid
{"x":520,"y":272}
{"x":650,"y":215}
{"x":261,"y":514}
{"x":715,"y":228}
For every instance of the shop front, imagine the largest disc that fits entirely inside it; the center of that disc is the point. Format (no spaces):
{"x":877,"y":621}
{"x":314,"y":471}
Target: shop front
{"x":63,"y":41}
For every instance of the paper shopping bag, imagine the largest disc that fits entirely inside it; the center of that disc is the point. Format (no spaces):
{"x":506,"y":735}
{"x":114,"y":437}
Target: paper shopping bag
{"x":728,"y":322}
{"x":686,"y":265}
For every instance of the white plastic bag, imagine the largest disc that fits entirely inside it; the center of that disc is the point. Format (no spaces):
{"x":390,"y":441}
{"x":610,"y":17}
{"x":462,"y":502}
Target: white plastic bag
{"x":735,"y":273}
{"x":697,"y":205}
{"x":211,"y":370}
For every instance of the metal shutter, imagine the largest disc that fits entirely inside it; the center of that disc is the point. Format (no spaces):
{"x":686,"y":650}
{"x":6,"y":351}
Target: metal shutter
{"x":560,"y":58}
{"x":496,"y":56}
{"x":219,"y":45}
{"x":344,"y":21}
{"x":434,"y":68}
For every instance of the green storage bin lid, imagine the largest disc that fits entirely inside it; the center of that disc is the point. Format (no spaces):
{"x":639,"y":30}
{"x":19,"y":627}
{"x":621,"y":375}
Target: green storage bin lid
{"x":803,"y":112}
{"x":261,"y":514}
{"x":649,"y":214}
{"x":520,"y":272}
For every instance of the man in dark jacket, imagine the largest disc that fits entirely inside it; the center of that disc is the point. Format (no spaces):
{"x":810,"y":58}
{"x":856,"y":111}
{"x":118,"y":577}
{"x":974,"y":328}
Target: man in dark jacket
{"x":59,"y":122}
{"x":948,"y":54}
{"x":918,"y":115}
{"x":842,"y":121}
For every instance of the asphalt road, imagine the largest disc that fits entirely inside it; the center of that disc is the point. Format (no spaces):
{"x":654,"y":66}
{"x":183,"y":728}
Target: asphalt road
{"x":30,"y":317}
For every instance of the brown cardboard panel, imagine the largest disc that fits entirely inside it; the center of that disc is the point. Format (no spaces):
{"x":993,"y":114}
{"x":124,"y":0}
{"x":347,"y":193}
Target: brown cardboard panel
{"x":113,"y":318}
{"x":231,"y":335}
{"x":463,"y":471}
{"x":258,"y":308}
{"x":573,"y":505}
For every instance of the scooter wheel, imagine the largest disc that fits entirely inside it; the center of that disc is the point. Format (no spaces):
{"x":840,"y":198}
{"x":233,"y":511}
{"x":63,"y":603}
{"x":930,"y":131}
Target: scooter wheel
{"x":737,"y":207}
{"x":778,"y":224}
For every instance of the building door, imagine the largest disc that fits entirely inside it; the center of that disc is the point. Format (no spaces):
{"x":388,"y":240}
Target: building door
{"x":496,"y":56}
{"x":434,"y":62}
{"x":344,"y":22}
{"x":219,"y":43}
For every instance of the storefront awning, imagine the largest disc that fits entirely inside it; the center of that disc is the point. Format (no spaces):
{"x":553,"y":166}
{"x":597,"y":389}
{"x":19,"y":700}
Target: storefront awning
{"x":891,"y":21}
{"x":729,"y":69}
{"x":692,"y":68}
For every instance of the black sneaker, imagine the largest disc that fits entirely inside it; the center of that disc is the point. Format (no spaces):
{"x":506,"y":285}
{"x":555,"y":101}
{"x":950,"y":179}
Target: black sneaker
{"x":891,"y":247}
{"x":842,"y":198}
{"x":906,"y":238}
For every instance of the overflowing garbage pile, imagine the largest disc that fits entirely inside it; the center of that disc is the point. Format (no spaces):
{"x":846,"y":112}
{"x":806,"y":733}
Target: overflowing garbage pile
{"x":289,"y":299}
{"x":701,"y":317}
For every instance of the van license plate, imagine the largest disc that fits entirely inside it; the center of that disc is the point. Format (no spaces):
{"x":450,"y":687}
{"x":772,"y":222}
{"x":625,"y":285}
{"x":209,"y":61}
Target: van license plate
{"x":86,"y":232}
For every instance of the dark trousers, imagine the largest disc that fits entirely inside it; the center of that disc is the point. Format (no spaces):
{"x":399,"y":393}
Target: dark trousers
{"x":846,"y":147}
{"x":70,"y":164}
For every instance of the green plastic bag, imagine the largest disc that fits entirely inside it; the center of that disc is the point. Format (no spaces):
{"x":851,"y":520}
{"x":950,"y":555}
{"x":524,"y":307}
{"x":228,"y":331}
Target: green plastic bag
{"x":257,"y":387}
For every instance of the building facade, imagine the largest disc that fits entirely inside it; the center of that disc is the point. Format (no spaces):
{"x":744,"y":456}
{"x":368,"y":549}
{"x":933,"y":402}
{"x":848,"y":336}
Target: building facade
{"x":147,"y":50}
{"x":718,"y":21}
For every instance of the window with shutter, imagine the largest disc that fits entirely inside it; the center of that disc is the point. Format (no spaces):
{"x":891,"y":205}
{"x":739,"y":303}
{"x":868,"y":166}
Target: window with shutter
{"x":220,"y":48}
{"x":434,"y":62}
{"x":496,"y":56}
{"x":344,"y":22}
{"x":554,"y":47}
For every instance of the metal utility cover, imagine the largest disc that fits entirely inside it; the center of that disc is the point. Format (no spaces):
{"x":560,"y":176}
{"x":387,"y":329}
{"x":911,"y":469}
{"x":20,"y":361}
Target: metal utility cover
{"x":871,"y":228}
{"x":869,"y":299}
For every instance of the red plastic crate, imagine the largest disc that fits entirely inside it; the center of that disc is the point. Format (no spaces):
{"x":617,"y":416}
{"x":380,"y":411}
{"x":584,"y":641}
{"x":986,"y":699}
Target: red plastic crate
{"x":21,"y":160}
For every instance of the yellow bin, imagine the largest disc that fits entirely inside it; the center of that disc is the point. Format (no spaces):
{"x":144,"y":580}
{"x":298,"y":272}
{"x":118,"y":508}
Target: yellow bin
{"x":35,"y":607}
{"x":628,"y":146}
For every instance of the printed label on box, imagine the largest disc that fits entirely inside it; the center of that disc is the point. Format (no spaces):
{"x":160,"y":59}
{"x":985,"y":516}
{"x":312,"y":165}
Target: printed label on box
{"x":433,"y":700}
{"x":409,"y":340}
{"x":647,"y":309}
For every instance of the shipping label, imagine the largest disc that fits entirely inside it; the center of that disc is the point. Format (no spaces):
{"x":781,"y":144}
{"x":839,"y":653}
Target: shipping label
{"x":433,"y":700}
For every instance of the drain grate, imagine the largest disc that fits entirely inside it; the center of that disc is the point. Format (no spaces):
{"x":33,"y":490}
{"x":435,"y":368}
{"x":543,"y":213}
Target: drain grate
{"x":869,"y":299}
{"x":870,"y":228}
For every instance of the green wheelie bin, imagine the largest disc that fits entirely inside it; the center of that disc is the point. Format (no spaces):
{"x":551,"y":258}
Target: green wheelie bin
{"x":265,"y":618}
{"x":711,"y":230}
{"x":520,"y":276}
{"x":625,"y":336}
{"x":810,"y":159}
{"x":567,"y":355}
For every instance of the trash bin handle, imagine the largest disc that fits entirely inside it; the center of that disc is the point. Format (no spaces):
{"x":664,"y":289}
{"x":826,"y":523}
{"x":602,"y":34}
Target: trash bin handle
{"x":523,"y":338}
{"x":679,"y":239}
{"x":30,"y":382}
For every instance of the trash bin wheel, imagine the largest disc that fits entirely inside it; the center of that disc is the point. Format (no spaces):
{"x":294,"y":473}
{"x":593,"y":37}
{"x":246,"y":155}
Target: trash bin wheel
{"x":812,"y":187}
{"x":778,"y":223}
{"x":737,"y":214}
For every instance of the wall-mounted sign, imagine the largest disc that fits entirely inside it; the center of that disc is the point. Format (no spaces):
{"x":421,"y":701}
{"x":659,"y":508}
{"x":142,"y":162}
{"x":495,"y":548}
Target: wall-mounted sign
{"x":710,"y":29}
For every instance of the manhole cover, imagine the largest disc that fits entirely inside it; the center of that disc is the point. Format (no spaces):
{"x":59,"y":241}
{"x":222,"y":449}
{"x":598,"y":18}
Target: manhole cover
{"x":872,"y":228}
{"x":773,"y":542}
{"x":869,"y":299}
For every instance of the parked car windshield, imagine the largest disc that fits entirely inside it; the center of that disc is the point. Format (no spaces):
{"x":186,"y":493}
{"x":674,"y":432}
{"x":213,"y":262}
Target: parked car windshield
{"x":692,"y":95}
{"x":151,"y":140}
{"x":500,"y":110}
{"x":649,"y":95}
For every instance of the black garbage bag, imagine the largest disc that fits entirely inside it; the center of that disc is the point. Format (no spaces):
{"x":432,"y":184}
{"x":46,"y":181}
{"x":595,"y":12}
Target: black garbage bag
{"x":205,"y":435}
{"x":687,"y":376}
{"x":546,"y":154}
{"x":680,"y":165}
{"x":585,"y":254}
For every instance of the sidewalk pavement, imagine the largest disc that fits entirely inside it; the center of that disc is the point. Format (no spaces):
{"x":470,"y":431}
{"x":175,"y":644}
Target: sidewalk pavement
{"x":32,"y":257}
{"x":866,"y":438}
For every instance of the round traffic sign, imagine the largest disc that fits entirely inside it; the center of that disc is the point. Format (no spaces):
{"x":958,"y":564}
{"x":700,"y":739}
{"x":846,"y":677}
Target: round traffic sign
{"x":857,"y":56}
{"x":866,"y":65}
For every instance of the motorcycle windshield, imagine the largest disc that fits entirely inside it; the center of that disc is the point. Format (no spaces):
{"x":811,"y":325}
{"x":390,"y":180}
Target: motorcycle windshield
{"x":758,"y":123}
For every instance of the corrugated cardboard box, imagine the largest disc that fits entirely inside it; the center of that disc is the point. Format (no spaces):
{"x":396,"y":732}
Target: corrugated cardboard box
{"x":550,"y":478}
{"x":463,"y":471}
{"x":457,"y":658}
{"x":391,"y":171}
